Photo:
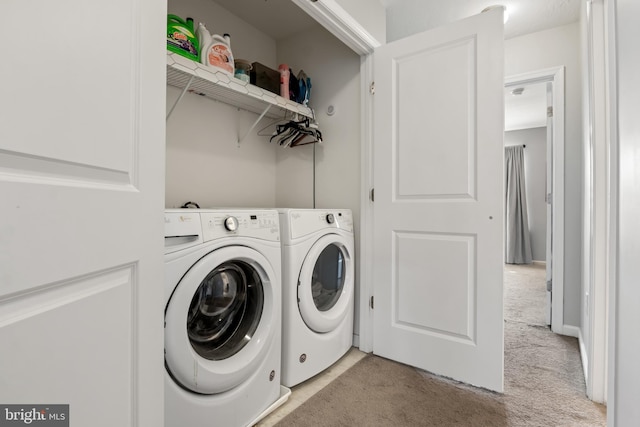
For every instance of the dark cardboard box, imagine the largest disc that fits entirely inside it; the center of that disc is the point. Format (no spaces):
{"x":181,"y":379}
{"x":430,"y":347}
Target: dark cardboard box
{"x":264,"y":77}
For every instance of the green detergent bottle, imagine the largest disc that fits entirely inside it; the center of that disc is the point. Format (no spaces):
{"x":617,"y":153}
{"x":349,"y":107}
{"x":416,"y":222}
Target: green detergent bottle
{"x":181,"y":37}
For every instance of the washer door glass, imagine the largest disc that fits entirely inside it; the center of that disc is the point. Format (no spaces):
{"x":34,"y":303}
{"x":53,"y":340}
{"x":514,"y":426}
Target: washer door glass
{"x":221,"y":319}
{"x":327,"y":280}
{"x":225,"y":310}
{"x":325,"y":284}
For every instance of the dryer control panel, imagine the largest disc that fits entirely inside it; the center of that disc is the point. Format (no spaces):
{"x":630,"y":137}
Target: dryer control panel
{"x":259,"y":224}
{"x":303,"y":222}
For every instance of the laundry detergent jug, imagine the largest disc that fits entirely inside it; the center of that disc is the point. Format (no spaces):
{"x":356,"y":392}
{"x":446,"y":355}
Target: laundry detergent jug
{"x":181,"y":37}
{"x":215,"y":50}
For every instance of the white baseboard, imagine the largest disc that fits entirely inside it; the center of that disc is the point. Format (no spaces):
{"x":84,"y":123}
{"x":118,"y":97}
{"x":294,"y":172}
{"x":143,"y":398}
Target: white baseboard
{"x":540,"y":262}
{"x":583,"y":356}
{"x":570,"y":331}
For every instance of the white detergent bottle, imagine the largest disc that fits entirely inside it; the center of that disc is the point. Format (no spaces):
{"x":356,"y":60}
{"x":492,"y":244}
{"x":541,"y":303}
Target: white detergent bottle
{"x":218,"y":54}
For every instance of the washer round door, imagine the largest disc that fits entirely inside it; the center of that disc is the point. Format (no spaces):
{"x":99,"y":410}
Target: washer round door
{"x":325,"y":287}
{"x":220,"y":320}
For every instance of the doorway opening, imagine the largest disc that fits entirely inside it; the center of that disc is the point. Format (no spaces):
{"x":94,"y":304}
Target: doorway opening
{"x":546,"y":86}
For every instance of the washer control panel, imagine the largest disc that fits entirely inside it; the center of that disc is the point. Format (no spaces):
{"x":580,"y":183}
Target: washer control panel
{"x":261,"y":224}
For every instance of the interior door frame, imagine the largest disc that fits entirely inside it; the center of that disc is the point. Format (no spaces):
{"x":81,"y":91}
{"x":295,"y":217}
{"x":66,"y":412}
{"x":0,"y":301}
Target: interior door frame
{"x":366,"y":206}
{"x":555,"y":76}
{"x":596,"y":260}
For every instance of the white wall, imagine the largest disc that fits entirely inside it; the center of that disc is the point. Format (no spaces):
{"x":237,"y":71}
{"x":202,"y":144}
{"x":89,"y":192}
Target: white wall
{"x":370,"y":14}
{"x":335,"y":81}
{"x":535,"y":165}
{"x":411,"y":17}
{"x":204,"y":163}
{"x":624,"y":390}
{"x":561,"y":46}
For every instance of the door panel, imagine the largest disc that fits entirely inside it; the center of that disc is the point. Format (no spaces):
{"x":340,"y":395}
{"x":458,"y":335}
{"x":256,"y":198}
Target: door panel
{"x":438,"y":213}
{"x":63,"y":83}
{"x":47,"y":331}
{"x":82,"y":178}
{"x":431,"y":171}
{"x":431,"y":308}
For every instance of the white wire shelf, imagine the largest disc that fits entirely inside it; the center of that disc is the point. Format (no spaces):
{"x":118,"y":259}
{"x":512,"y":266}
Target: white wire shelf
{"x":203,"y":80}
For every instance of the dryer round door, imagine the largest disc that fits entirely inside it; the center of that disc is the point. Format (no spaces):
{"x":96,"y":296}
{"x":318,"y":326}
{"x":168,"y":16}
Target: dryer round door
{"x":221,"y":320}
{"x":325,"y":287}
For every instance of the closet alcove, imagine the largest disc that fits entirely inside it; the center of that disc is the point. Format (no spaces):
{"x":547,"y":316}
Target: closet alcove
{"x":204,"y":161}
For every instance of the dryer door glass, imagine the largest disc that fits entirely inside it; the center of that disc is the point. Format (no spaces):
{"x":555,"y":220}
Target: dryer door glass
{"x":225,"y":310}
{"x":328,"y":276}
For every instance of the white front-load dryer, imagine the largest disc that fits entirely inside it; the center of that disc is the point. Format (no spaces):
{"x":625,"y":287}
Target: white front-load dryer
{"x":317,"y":290}
{"x":222,"y":316}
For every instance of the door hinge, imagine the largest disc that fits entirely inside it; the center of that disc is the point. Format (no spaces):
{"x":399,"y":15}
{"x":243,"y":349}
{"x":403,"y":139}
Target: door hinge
{"x":372,"y":88}
{"x":371,"y":302}
{"x":548,"y":198}
{"x":549,"y":111}
{"x":372,"y":194}
{"x":549,"y":286}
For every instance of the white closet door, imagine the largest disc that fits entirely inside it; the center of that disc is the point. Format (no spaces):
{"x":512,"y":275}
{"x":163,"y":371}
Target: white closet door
{"x":82,"y":142}
{"x":438,"y":210}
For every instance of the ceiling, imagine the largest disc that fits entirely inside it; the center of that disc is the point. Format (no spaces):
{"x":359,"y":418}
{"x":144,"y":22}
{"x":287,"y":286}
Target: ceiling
{"x":528,"y":110}
{"x":525,"y":16}
{"x":278,"y":19}
{"x":281,"y":18}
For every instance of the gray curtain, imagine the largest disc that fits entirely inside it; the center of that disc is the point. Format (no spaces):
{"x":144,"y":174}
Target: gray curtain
{"x":518,"y":242}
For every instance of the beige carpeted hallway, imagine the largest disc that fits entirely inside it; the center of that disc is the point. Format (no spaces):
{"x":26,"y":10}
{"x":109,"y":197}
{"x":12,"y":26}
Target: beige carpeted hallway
{"x":544,"y":385}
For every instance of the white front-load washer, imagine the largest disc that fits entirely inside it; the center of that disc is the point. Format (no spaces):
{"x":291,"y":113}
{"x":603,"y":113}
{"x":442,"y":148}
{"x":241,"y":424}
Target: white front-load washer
{"x":222,"y":316}
{"x":317,"y":290}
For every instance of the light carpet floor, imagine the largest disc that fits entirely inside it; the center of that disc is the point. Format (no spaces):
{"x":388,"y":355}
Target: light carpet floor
{"x":544,"y":385}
